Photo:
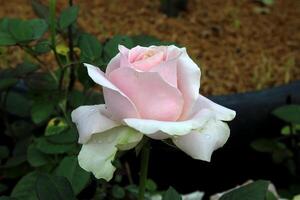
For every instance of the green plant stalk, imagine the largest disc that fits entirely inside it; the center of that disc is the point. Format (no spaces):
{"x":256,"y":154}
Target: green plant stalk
{"x":71,"y":54}
{"x":52,"y":6}
{"x":145,"y":155}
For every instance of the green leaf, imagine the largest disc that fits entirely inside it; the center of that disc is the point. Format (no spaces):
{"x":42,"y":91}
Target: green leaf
{"x":25,"y":188}
{"x":268,"y":2}
{"x":3,"y":188}
{"x":27,"y":30}
{"x":288,"y":113}
{"x":38,"y":26}
{"x":42,"y":47}
{"x":53,"y":188}
{"x":7,"y":198}
{"x":6,"y":39}
{"x":111,"y":47}
{"x":68,"y":136}
{"x":25,"y":68}
{"x":21,"y":129}
{"x":264,"y":145}
{"x":151,"y":185}
{"x":40,"y":9}
{"x":70,"y":169}
{"x":20,"y":30}
{"x":286,"y":130}
{"x":56,"y":126}
{"x":171,"y":194}
{"x":76,"y":98}
{"x":253,"y":191}
{"x":68,"y":16}
{"x":91,"y":49}
{"x":145,"y":40}
{"x":7,"y":83}
{"x":41,"y":111}
{"x":83,"y":76}
{"x":18,"y":104}
{"x":35,"y":157}
{"x":4,"y":152}
{"x":118,"y":192}
{"x":51,"y":148}
{"x":270,"y":196}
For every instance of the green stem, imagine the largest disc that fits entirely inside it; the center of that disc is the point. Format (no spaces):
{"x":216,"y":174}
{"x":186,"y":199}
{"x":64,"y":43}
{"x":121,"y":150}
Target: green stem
{"x":71,"y":54}
{"x":145,"y":154}
{"x":52,"y":7}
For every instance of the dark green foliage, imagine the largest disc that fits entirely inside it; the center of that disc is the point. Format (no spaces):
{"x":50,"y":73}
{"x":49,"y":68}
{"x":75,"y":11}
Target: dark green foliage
{"x":171,"y":194}
{"x":253,"y":191}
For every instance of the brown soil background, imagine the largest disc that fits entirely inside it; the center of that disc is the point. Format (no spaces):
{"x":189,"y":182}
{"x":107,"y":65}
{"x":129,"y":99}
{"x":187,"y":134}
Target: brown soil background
{"x":238,"y":48}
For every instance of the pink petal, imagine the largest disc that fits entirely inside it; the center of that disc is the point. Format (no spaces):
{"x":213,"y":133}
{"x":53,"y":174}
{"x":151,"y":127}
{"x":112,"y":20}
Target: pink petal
{"x":113,"y":96}
{"x":113,"y":64}
{"x":221,"y":112}
{"x":148,"y":63}
{"x":135,"y":52}
{"x":90,"y":120}
{"x":152,"y":96}
{"x":168,"y":69}
{"x":188,"y":81}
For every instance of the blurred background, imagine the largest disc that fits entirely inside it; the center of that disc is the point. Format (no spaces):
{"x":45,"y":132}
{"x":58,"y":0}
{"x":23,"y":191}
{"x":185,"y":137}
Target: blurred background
{"x":249,"y":55}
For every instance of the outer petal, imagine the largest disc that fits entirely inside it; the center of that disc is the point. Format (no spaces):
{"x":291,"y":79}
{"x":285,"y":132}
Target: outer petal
{"x":188,"y":81}
{"x":96,"y":155}
{"x":221,"y":112}
{"x":90,"y":120}
{"x":152,"y":96}
{"x":113,"y":96}
{"x":113,"y":64}
{"x":149,"y":127}
{"x":200,"y":144}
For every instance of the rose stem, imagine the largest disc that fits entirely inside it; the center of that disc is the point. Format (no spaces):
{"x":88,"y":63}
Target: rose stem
{"x":145,"y":154}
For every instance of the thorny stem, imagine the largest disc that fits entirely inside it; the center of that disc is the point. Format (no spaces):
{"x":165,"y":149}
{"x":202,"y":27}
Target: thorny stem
{"x":145,"y":154}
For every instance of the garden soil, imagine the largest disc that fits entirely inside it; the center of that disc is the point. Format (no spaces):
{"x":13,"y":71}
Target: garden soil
{"x":240,"y":45}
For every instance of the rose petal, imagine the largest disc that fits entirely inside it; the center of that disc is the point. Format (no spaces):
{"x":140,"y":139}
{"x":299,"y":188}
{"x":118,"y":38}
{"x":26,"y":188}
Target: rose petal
{"x":201,"y":143}
{"x":113,"y":64}
{"x":135,"y":52}
{"x":188,"y":75}
{"x":96,"y":155}
{"x":152,"y":96}
{"x":90,"y":120}
{"x":168,"y":71}
{"x":113,"y":96}
{"x":221,"y":112}
{"x":171,"y":128}
{"x":145,"y":64}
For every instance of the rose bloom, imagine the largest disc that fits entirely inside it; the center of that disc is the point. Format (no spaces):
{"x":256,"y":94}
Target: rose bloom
{"x":151,"y":91}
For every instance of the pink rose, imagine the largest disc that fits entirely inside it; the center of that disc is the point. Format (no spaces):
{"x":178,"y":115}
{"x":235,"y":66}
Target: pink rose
{"x":152,"y":91}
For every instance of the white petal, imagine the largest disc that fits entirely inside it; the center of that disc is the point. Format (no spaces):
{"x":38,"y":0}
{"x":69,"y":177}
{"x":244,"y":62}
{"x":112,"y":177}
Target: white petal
{"x":90,"y":120}
{"x":171,"y":128}
{"x":188,"y":81}
{"x":221,"y":112}
{"x":200,"y":144}
{"x":96,"y":155}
